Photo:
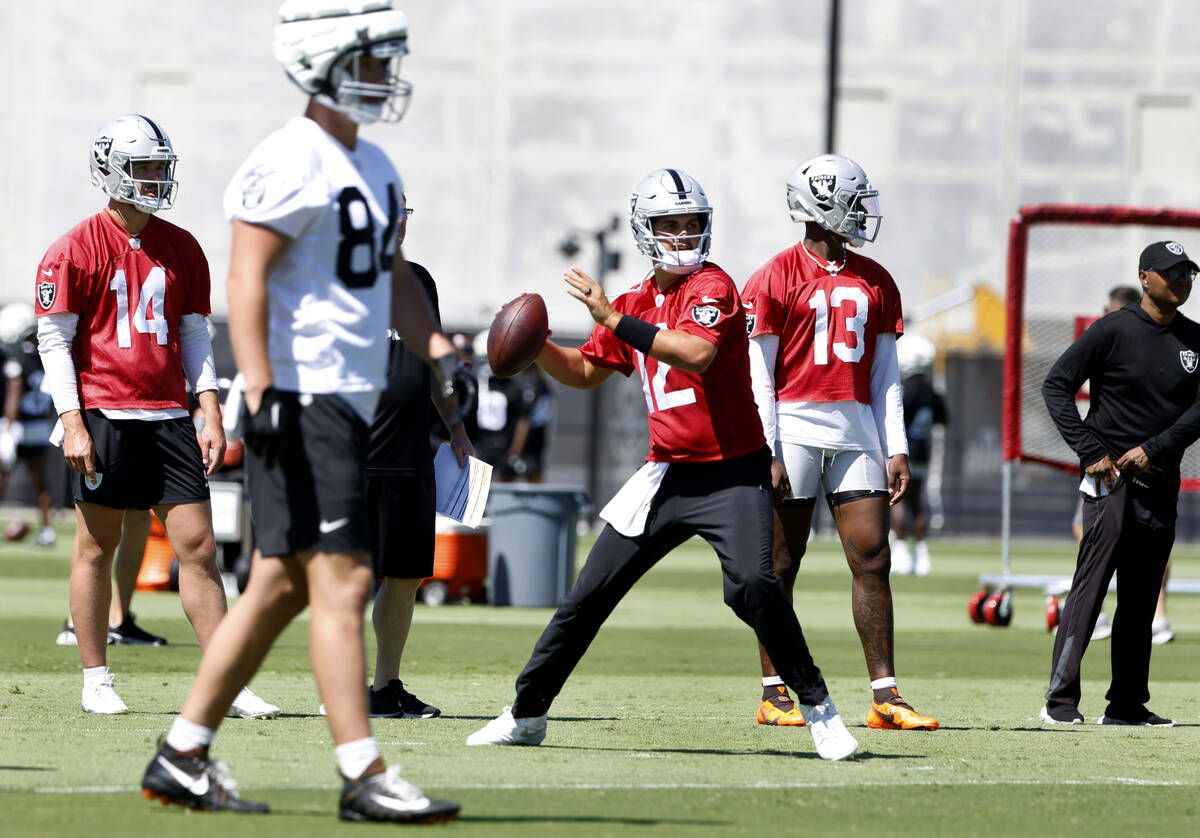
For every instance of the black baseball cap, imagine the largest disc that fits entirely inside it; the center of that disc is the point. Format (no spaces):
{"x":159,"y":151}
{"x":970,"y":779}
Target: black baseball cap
{"x":1161,"y":255}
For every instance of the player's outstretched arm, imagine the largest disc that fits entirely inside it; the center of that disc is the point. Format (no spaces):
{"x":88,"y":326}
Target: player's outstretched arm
{"x":570,"y":367}
{"x":412,"y":314}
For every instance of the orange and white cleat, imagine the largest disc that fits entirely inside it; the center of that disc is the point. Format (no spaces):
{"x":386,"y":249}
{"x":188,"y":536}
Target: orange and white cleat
{"x":897,"y":715}
{"x":780,"y":710}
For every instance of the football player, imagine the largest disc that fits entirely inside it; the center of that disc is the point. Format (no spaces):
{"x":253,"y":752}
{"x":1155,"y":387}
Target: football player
{"x":683,"y":329}
{"x":823,"y":326}
{"x":401,"y":497}
{"x":123,"y":303}
{"x":315,"y":210}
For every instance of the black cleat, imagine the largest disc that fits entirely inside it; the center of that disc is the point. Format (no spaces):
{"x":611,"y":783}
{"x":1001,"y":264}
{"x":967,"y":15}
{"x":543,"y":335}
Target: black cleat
{"x":1061,"y":714}
{"x":387,"y":797}
{"x":131,"y":633}
{"x":195,"y":782}
{"x":1137,"y":715}
{"x":393,"y":701}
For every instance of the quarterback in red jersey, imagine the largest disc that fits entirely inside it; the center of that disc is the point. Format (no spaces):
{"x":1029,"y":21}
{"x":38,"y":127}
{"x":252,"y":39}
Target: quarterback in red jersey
{"x":122,"y":300}
{"x":683,"y":328}
{"x":823,"y":328}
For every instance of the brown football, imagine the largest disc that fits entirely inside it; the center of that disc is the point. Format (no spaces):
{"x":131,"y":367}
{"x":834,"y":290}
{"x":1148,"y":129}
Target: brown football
{"x":16,"y":530}
{"x":517,"y":335}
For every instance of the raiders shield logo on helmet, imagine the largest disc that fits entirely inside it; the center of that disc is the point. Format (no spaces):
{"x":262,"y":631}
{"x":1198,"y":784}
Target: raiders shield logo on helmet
{"x":706,"y":315}
{"x":822,"y":187}
{"x":1188,"y":358}
{"x":45,"y":292}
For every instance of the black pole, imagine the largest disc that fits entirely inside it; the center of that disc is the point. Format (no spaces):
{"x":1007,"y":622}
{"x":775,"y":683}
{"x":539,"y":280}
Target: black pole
{"x":831,"y":76}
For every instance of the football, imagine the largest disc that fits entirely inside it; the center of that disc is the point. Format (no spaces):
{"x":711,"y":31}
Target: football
{"x":16,"y":530}
{"x":517,"y":335}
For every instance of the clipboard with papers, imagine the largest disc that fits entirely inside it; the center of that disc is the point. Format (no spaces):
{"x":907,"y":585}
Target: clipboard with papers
{"x":462,"y":491}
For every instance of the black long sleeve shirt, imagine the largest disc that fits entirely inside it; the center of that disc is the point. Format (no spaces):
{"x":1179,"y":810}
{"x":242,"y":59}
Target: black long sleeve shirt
{"x":1145,"y":385}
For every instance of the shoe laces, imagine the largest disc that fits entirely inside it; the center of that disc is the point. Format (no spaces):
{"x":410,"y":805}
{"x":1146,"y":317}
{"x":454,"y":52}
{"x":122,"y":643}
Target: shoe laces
{"x":219,"y":772}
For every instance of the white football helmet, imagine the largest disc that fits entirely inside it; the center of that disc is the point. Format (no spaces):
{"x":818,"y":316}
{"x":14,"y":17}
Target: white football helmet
{"x":17,"y":322}
{"x":320,"y":42}
{"x":119,"y":144}
{"x":670,"y":192}
{"x":915,"y":355}
{"x":833,"y":191}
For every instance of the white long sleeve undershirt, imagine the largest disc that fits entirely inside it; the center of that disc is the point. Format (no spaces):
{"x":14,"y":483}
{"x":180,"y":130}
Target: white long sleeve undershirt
{"x":763,"y":351}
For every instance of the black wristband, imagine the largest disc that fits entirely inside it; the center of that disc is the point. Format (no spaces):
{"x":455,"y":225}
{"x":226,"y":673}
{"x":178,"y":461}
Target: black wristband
{"x":637,"y":333}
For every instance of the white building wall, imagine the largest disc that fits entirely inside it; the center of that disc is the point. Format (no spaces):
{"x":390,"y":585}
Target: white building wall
{"x":535,"y":117}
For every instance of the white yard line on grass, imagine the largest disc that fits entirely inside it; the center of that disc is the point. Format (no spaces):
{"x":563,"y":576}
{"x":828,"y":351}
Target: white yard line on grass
{"x":833,"y":784}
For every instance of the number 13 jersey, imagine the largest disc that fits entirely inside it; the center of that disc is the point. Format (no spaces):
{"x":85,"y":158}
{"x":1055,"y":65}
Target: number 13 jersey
{"x":130,"y":293}
{"x":329,"y":298}
{"x":827,"y":324}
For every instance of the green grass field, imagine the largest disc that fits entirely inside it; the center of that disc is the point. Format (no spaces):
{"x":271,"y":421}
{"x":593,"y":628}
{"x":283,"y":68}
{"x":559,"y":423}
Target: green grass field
{"x":653,"y":735}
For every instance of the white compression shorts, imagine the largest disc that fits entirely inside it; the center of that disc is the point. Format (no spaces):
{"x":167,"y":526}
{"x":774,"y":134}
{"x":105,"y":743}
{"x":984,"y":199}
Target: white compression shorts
{"x":839,"y":470}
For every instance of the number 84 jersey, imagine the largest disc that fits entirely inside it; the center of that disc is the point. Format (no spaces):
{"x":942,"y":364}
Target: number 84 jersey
{"x":329,"y":298}
{"x":130,"y":293}
{"x":827,"y":324}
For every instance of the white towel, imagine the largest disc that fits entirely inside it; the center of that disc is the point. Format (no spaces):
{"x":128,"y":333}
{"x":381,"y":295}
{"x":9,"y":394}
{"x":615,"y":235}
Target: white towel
{"x":629,"y":508}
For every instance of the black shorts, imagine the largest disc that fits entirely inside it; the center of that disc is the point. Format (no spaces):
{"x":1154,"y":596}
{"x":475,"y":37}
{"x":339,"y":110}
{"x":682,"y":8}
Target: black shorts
{"x":402,"y":516}
{"x":314,"y":498}
{"x":141,"y":463}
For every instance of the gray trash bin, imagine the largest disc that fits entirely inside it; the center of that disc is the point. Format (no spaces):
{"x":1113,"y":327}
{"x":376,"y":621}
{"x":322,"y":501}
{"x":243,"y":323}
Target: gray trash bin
{"x":531,"y":546}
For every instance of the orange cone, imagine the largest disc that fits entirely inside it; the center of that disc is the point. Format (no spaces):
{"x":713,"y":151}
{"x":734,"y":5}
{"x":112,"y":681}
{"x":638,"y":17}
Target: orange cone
{"x":155,"y":573}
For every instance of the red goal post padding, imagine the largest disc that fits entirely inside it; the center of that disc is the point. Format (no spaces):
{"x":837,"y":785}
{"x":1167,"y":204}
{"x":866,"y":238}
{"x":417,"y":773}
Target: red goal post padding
{"x":1062,"y":261}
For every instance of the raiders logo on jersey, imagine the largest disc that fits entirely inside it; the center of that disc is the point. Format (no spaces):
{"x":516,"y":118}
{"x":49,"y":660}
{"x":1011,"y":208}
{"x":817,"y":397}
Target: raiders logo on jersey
{"x":45,"y":292}
{"x":750,"y":319}
{"x":706,"y":315}
{"x":1188,"y":358}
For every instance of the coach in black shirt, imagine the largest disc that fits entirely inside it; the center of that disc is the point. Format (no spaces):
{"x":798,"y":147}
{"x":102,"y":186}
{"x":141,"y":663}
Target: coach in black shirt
{"x":1141,"y":361}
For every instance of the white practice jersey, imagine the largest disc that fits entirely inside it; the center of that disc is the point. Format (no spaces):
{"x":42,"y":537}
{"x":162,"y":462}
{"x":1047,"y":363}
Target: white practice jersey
{"x":330,"y":296}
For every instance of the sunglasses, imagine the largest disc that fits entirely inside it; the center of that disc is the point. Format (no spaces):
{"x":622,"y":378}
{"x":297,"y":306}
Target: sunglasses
{"x":1178,"y":273}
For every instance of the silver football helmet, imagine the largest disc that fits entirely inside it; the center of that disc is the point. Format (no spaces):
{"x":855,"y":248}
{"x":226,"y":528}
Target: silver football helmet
{"x":17,"y":322}
{"x":915,"y":355}
{"x":833,"y":191}
{"x":320,"y":43}
{"x":120,"y":144}
{"x":670,"y":192}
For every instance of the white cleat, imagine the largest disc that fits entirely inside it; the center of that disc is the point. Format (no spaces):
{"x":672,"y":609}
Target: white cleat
{"x":249,"y":706}
{"x":99,"y":696}
{"x":46,"y":537}
{"x":828,"y":731}
{"x":505,"y":730}
{"x":921,"y":564}
{"x":1103,"y":629}
{"x":902,"y":560}
{"x":1161,"y":632}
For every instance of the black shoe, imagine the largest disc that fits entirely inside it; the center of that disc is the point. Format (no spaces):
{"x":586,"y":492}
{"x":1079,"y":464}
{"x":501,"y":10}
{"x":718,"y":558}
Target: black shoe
{"x":131,"y":633}
{"x":387,"y":797}
{"x":393,"y":701}
{"x":194,"y":782}
{"x":1139,"y":716}
{"x":1061,"y":714}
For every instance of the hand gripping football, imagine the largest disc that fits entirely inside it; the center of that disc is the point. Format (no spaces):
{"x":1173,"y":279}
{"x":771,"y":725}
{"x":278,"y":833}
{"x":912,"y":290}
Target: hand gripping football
{"x":517,"y":335}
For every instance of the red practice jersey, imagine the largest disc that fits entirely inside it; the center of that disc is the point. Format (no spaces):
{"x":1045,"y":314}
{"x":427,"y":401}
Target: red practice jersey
{"x":130,"y":294}
{"x":693,"y":416}
{"x":826,"y":324}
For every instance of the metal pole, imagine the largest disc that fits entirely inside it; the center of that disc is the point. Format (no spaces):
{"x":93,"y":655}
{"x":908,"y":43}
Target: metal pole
{"x":831,"y":75}
{"x":1006,"y":472}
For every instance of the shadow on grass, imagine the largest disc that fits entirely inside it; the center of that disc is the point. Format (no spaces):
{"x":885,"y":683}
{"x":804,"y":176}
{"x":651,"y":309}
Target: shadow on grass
{"x":26,"y":768}
{"x":731,"y":752}
{"x":573,"y":820}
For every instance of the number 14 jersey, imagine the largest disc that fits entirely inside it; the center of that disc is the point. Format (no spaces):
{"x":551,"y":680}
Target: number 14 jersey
{"x":329,"y":298}
{"x":130,"y":293}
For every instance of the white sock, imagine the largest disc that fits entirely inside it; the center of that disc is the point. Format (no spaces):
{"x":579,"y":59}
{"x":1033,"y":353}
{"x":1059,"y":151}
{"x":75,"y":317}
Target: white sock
{"x":185,"y":735}
{"x":353,"y":758}
{"x":772,"y":681}
{"x":91,"y":673}
{"x":884,"y":683}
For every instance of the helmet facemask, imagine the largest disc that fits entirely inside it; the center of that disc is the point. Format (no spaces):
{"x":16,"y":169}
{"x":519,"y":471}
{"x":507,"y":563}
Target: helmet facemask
{"x":678,"y":261}
{"x":367,"y":102}
{"x":148,"y":195}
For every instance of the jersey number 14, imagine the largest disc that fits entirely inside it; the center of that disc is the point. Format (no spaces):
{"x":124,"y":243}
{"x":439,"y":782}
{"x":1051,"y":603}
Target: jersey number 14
{"x":150,"y":296}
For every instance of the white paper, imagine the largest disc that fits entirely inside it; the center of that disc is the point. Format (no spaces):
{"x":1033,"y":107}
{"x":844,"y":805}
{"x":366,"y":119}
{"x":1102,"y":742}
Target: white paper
{"x":462,"y":491}
{"x":1094,"y":487}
